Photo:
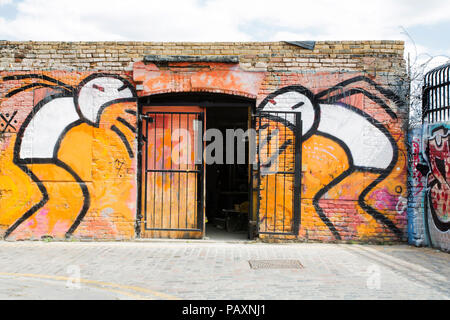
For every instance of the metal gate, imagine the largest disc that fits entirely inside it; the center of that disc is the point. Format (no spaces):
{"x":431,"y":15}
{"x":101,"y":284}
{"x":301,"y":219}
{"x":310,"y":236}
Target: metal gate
{"x":436,"y":95}
{"x":278,"y":172}
{"x":173,"y":171}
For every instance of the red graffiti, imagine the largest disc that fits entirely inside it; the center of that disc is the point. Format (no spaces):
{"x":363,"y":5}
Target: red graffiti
{"x":416,"y":174}
{"x":439,"y":178}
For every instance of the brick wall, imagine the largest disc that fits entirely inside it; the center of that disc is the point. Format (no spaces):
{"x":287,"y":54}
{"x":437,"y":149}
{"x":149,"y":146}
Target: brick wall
{"x":352,"y":103}
{"x":370,"y":56}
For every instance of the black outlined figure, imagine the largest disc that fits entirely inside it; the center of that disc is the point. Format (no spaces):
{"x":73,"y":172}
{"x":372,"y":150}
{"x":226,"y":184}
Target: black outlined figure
{"x":437,"y":154}
{"x":325,"y":115}
{"x":40,"y":136}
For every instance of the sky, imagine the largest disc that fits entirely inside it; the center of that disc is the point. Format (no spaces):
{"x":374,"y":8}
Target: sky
{"x":423,"y":24}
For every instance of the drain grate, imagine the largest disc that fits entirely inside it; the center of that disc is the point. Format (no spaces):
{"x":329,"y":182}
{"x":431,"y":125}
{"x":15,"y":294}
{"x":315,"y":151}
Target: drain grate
{"x":275,"y":264}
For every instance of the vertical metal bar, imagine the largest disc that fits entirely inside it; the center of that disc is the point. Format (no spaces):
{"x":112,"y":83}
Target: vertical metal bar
{"x":446,"y":98}
{"x":444,"y":105}
{"x":438,"y":104}
{"x":258,"y":168}
{"x":146,"y":173}
{"x":154,"y":176}
{"x":425,"y":99}
{"x":297,"y":173}
{"x":440,"y":95}
{"x":275,"y":188}
{"x":187,"y":170}
{"x":200,"y":178}
{"x":251,"y":162}
{"x":139,"y":175}
{"x":430,"y":109}
{"x":267,"y":146}
{"x":435,"y":98}
{"x":284,"y":175}
{"x":196,"y":175}
{"x":448,"y":93}
{"x":179,"y":168}
{"x":428,"y":99}
{"x":163,"y":174}
{"x":431,"y":81}
{"x":171,"y":173}
{"x":434,"y":112}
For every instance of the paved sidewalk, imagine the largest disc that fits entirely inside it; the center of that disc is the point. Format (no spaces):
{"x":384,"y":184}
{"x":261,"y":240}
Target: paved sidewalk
{"x":219,"y":270}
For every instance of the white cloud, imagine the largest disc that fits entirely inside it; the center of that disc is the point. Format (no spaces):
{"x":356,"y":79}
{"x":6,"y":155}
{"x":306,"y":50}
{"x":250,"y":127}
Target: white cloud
{"x":216,"y":19}
{"x":3,"y":2}
{"x":219,"y":20}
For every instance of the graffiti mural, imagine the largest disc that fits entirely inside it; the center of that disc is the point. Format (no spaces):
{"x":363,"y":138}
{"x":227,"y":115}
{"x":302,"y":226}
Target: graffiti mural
{"x":67,"y":130}
{"x":69,"y":163}
{"x":438,"y":154}
{"x":430,"y":192}
{"x":341,"y":137}
{"x":417,"y":175}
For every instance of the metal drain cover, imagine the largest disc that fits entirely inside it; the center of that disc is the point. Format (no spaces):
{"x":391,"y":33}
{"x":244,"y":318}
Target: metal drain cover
{"x":275,"y":264}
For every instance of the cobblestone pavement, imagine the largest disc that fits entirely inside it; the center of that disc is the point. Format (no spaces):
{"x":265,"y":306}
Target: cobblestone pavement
{"x":219,"y":270}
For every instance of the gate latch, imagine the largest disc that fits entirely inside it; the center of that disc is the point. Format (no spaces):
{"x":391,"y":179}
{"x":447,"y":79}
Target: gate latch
{"x":146,"y":118}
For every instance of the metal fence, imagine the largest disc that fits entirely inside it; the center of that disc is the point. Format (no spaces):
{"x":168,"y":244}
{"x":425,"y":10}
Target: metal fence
{"x":436,"y":95}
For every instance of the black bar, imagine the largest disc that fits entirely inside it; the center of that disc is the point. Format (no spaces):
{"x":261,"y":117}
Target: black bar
{"x":154,"y":176}
{"x":173,"y":171}
{"x":187,"y":177}
{"x":275,"y":189}
{"x":267,"y":188}
{"x":137,"y":226}
{"x":271,"y":112}
{"x":146,"y":166}
{"x":284,"y":178}
{"x":434,"y":86}
{"x":166,"y":229}
{"x":172,"y":112}
{"x":258,"y":198}
{"x":171,"y":174}
{"x":200,"y":208}
{"x":279,"y":233}
{"x":298,"y":173}
{"x":437,"y":109}
{"x":179,"y":175}
{"x":279,"y":172}
{"x":162,"y":175}
{"x":179,"y":58}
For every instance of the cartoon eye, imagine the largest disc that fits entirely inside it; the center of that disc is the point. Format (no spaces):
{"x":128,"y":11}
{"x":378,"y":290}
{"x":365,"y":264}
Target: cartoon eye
{"x":95,"y":86}
{"x":298,"y":105}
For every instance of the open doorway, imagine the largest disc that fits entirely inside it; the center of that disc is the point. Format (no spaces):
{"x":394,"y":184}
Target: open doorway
{"x":227,"y":184}
{"x":202,"y":200}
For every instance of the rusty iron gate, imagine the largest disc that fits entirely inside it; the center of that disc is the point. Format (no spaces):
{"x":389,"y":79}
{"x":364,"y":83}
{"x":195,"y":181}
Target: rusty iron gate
{"x":173,"y":172}
{"x":278,"y":172}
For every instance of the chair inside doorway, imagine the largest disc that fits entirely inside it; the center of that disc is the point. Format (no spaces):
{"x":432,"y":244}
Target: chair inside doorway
{"x":227,"y":185}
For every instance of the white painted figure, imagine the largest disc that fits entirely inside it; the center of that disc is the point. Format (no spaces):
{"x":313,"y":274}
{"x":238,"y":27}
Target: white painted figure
{"x":41,"y":135}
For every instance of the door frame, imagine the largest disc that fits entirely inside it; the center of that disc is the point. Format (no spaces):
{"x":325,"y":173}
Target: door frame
{"x":199,"y":99}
